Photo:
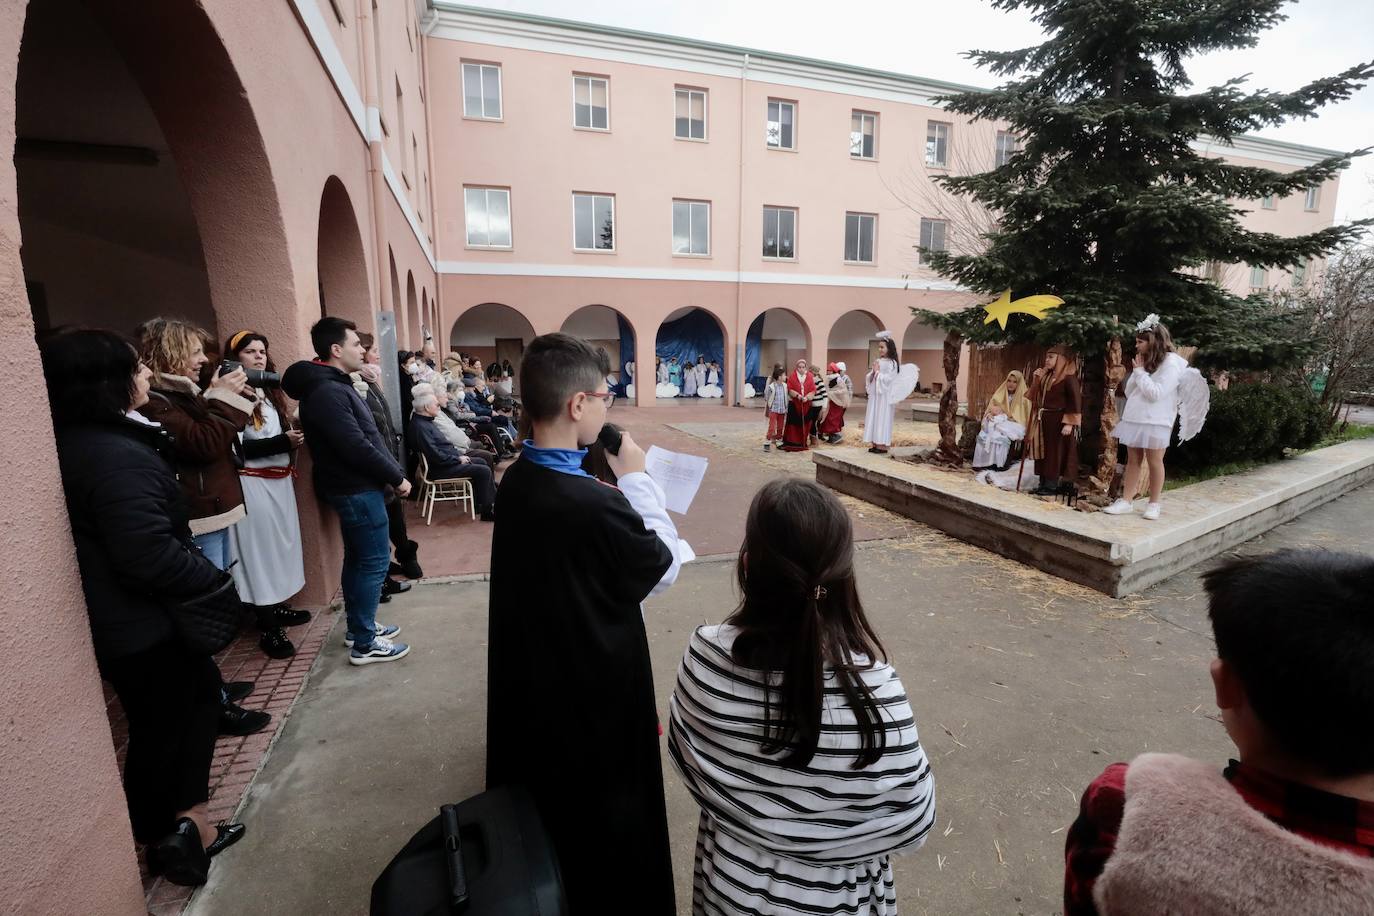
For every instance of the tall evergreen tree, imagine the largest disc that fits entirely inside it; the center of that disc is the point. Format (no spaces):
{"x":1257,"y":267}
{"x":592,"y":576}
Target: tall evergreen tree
{"x":1110,"y":205}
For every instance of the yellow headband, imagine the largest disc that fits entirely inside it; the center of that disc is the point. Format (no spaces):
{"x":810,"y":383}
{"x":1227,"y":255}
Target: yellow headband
{"x":234,"y":341}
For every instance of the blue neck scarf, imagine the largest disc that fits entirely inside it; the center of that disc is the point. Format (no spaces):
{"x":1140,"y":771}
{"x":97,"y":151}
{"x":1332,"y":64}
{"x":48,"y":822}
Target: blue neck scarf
{"x":562,"y":460}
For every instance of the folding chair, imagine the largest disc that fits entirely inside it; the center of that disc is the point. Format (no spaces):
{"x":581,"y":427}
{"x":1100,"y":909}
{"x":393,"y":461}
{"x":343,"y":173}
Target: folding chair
{"x":447,"y":490}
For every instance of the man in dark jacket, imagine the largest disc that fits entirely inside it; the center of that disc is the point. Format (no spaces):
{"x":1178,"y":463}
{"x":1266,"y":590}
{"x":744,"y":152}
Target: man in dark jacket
{"x":356,"y":473}
{"x":445,"y":461}
{"x":370,"y":378}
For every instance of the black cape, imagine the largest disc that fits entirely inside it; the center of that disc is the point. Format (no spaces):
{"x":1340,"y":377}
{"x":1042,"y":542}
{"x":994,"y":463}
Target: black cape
{"x":570,"y":701}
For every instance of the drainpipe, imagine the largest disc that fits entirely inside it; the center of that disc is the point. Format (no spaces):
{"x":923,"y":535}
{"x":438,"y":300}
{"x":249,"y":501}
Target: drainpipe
{"x":741,"y":342}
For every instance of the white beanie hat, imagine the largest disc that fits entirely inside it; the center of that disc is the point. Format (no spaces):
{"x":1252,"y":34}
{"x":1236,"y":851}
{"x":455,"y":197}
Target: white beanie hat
{"x":842,"y":367}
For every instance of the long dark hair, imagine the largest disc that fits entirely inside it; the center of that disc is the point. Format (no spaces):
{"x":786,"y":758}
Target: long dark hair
{"x":90,"y":374}
{"x":887,"y":349}
{"x":800,"y":614}
{"x":1159,"y":343}
{"x":234,"y":346}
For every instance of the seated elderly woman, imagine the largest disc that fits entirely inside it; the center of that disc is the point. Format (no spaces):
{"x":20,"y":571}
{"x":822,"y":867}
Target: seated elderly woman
{"x":450,"y":429}
{"x":455,"y":408}
{"x":446,"y":462}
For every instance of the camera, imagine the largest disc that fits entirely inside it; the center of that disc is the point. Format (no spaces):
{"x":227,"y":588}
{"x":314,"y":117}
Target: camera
{"x":258,"y":378}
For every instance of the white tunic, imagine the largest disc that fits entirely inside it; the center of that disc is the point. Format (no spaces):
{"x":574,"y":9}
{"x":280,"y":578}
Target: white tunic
{"x":267,"y":543}
{"x":884,"y":389}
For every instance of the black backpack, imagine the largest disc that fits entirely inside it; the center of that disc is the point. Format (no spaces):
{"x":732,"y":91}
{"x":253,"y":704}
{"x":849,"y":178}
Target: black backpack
{"x":486,"y":856}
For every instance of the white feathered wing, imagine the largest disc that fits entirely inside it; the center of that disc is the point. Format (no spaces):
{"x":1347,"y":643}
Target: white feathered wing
{"x":1194,"y":399}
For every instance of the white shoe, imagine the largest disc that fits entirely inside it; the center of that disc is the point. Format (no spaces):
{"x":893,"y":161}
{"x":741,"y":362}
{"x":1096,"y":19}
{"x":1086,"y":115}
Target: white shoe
{"x":1121,"y":507}
{"x":1152,"y":511}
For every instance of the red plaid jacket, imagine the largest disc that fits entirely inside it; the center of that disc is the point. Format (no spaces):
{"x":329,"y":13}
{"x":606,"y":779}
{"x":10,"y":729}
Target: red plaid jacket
{"x":1322,"y":817}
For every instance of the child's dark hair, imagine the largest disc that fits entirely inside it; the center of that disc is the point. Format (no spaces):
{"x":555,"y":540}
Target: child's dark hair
{"x":777,"y":373}
{"x":800,"y":614}
{"x":554,"y":368}
{"x":1297,"y":627}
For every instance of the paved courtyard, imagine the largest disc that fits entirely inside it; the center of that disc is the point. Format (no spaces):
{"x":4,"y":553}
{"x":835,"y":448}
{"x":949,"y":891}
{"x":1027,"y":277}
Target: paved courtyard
{"x":1024,"y":687}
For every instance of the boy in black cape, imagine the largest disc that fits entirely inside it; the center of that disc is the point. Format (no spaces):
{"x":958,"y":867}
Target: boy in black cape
{"x":570,"y":708}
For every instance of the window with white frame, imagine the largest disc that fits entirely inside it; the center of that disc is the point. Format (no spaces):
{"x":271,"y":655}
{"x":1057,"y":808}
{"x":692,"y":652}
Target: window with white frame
{"x":933,"y":237}
{"x":937,"y":144}
{"x":691,"y":227}
{"x":1259,"y":277}
{"x":859,"y":232}
{"x":594,"y":222}
{"x":482,"y":91}
{"x":863,"y":135}
{"x":1267,"y":202}
{"x":1313,"y":199}
{"x":782,"y":124}
{"x":689,"y":114}
{"x":591,"y":102}
{"x":1007,"y":146}
{"x":488,"y":217}
{"x":1299,"y":274}
{"x":779,"y":232}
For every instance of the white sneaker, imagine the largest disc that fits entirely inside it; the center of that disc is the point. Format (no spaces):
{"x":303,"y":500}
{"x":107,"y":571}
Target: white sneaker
{"x":388,"y":631}
{"x":1121,"y":507}
{"x":383,"y":650}
{"x":1152,"y":511}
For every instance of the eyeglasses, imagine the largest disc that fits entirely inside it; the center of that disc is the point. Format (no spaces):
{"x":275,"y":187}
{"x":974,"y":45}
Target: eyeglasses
{"x":607,"y":397}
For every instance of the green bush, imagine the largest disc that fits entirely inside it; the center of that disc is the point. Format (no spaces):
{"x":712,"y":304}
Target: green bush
{"x":1254,"y":421}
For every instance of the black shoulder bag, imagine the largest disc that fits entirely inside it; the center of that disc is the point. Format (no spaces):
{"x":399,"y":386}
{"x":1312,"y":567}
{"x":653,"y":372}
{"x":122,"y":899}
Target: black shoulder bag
{"x":209,"y":621}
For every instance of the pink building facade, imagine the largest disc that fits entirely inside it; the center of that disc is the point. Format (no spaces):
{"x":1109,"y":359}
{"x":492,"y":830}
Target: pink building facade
{"x":256,"y":165}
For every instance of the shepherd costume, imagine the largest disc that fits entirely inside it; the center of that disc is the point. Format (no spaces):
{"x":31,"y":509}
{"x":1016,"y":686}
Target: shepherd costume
{"x":570,"y":701}
{"x":801,"y":387}
{"x":840,"y":397}
{"x":1057,"y":401}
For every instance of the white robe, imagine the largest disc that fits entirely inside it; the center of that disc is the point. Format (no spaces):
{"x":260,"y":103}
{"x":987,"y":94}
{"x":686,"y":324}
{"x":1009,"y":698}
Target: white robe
{"x":884,"y":389}
{"x":690,"y":381}
{"x":267,"y":542}
{"x":711,"y":387}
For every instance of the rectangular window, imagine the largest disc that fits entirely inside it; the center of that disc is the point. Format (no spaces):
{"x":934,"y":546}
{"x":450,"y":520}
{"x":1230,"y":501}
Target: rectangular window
{"x":937,"y":144}
{"x":859,"y":229}
{"x":1258,"y":278}
{"x":488,"y":217}
{"x":863,"y":135}
{"x":1313,"y":199}
{"x":1299,"y":274}
{"x":591,"y":102}
{"x":689,"y":114}
{"x":782,"y":124}
{"x":691,"y":227}
{"x":1006,"y":147}
{"x":1267,"y":202}
{"x":594,"y":222}
{"x":933,"y":232}
{"x":779,"y":232}
{"x":482,"y":91}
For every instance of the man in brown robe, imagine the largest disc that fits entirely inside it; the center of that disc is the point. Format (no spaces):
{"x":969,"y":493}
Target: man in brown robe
{"x":1056,"y":417}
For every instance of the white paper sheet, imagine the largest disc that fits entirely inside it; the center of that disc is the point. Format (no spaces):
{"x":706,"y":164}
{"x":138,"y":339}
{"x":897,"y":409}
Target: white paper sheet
{"x":679,"y":475}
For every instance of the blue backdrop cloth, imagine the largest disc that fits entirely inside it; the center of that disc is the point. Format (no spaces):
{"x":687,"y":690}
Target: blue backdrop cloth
{"x":753,"y":373}
{"x":694,"y":334}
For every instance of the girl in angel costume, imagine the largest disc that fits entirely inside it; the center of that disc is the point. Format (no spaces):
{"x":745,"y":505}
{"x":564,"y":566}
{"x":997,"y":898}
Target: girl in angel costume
{"x":886,"y":383}
{"x":1162,"y":387}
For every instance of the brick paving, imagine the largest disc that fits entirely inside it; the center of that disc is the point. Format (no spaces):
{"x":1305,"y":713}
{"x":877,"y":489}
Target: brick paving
{"x":237,"y":760}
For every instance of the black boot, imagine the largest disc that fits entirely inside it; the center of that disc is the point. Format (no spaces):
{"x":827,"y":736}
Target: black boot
{"x":276,"y":644}
{"x":409,"y":561}
{"x":179,"y":857}
{"x":236,"y":721}
{"x":395,"y":586}
{"x":284,"y":616}
{"x":1049,"y":486}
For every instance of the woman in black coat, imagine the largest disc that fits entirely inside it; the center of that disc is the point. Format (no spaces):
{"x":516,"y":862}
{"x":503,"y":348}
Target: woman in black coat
{"x":137,"y":561}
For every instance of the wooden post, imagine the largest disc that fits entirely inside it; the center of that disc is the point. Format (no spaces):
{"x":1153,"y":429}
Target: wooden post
{"x":1115,"y":371}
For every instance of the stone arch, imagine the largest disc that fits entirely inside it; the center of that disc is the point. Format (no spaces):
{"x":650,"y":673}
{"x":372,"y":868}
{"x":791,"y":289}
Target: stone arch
{"x":609,"y":328}
{"x":173,"y":114}
{"x":491,"y":331}
{"x":395,"y":290}
{"x":414,"y":336}
{"x":342,"y":265}
{"x":851,"y":341}
{"x":727,"y":345}
{"x":924,"y":345}
{"x":780,"y":335}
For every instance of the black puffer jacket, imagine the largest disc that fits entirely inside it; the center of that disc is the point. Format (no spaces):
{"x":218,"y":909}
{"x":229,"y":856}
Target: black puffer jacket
{"x":130,"y":524}
{"x":349,"y":453}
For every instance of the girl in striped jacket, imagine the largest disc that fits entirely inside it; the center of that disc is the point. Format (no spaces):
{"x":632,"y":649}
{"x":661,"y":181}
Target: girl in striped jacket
{"x":793,"y":733}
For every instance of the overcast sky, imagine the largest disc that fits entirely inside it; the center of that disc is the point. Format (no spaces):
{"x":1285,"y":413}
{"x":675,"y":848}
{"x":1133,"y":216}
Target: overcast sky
{"x":926,"y":38}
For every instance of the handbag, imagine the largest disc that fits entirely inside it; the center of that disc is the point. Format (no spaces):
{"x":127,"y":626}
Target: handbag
{"x":208,"y":622}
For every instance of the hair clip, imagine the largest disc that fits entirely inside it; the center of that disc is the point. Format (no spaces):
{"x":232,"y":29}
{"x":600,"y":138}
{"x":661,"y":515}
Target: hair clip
{"x":820,"y":592}
{"x":1151,"y":321}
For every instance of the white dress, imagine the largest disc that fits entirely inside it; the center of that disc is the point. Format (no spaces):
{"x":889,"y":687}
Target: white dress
{"x":267,"y":543}
{"x":690,"y":381}
{"x":1151,"y":405}
{"x":884,"y":388}
{"x":712,"y":387}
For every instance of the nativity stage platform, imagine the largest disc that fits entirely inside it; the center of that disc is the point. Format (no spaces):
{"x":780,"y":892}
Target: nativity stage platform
{"x":1117,"y":555}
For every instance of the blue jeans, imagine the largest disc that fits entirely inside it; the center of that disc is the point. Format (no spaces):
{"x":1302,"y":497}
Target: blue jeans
{"x":215,"y":546}
{"x":367,"y":555}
